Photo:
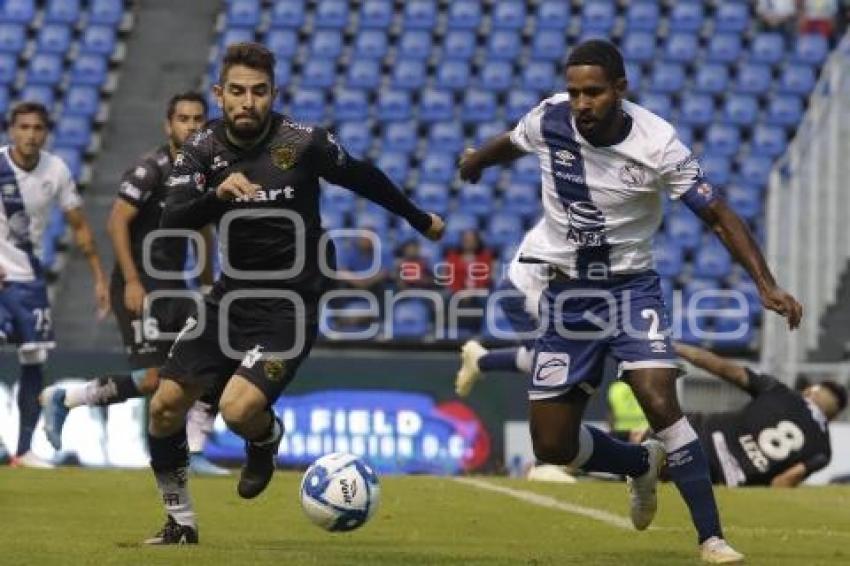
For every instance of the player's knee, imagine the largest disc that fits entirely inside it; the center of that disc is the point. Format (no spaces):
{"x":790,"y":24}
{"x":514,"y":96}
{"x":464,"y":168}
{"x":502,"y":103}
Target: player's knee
{"x":235,"y":412}
{"x":164,"y":415}
{"x":551,"y":449}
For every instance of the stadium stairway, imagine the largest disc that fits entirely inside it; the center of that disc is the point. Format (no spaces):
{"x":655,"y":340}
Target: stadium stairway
{"x":168,"y":46}
{"x":834,"y":340}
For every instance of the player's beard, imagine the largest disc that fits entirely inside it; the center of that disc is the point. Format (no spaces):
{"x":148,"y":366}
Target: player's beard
{"x":600,"y":126}
{"x":247,"y":131}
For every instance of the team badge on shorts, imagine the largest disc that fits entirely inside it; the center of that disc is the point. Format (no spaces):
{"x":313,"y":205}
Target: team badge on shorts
{"x":274,"y":369}
{"x":283,"y":156}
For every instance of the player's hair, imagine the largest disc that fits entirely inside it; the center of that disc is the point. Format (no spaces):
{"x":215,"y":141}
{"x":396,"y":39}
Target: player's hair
{"x":600,"y":53}
{"x":249,"y":54}
{"x":27,"y":107}
{"x":188,"y":96}
{"x":838,"y":390}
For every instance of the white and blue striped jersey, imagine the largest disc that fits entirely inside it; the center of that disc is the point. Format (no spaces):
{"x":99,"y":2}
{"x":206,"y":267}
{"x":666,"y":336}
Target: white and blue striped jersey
{"x":602,"y":205}
{"x":26,"y":199}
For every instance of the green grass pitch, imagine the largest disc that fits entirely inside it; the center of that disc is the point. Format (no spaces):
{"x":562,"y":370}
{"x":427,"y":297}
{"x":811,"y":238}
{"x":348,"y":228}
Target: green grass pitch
{"x":78,"y":516}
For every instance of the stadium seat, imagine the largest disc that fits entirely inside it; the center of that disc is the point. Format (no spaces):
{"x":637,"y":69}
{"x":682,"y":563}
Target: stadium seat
{"x":8,"y":68}
{"x":553,"y":14}
{"x":420,"y":14}
{"x":336,"y":199}
{"x":717,"y":169}
{"x":504,"y":46}
{"x":331,"y":14}
{"x":711,"y":78}
{"x":409,"y":75}
{"x":767,"y":48}
{"x":732,"y":332}
{"x":797,"y":79}
{"x":722,"y":139}
{"x":642,"y":16}
{"x":62,"y":12}
{"x":667,"y":78}
{"x":598,"y":17}
{"x":243,"y":13}
{"x":464,"y":14}
{"x":539,"y":76}
{"x":331,"y":220}
{"x":658,"y":103}
{"x":740,"y":109}
{"x":432,"y":197}
{"x":712,"y":261}
{"x":318,"y":74}
{"x":38,"y":93}
{"x":372,"y":217}
{"x":396,"y":165}
{"x":634,"y":76}
{"x":351,"y":105}
{"x":476,"y":199}
{"x":526,"y":170}
{"x":308,"y":106}
{"x":686,"y":17}
{"x":696,"y":109}
{"x":370,"y":44}
{"x":364,"y":75}
{"x":669,"y":259}
{"x":456,"y":224}
{"x":453,"y":75}
{"x":325,"y":44}
{"x":106,"y":12}
{"x":44,"y":69}
{"x":479,"y":106}
{"x":784,"y":110}
{"x":411,"y":319}
{"x":681,"y":48}
{"x":399,"y":137}
{"x":724,"y":48}
{"x":355,"y":138}
{"x":437,"y":167}
{"x":769,"y":141}
{"x":446,"y":136}
{"x":72,"y":131}
{"x":17,"y":11}
{"x":548,"y":45}
{"x":415,"y":44}
{"x":503,"y":229}
{"x":282,"y":72}
{"x":508,"y":14}
{"x":751,"y":294}
{"x":282,"y":42}
{"x":522,"y":199}
{"x":376,"y":14}
{"x":810,"y":49}
{"x":496,"y":76}
{"x":744,"y":200}
{"x":13,"y":38}
{"x":4,"y":99}
{"x":685,"y":134}
{"x":54,"y":38}
{"x":436,"y":106}
{"x":288,"y":14}
{"x":459,"y":44}
{"x":753,"y":78}
{"x":236,"y":35}
{"x":755,"y":170}
{"x":732,"y":17}
{"x":684,"y":228}
{"x":519,"y":103}
{"x":393,"y":106}
{"x":639,"y":47}
{"x":488,"y":130}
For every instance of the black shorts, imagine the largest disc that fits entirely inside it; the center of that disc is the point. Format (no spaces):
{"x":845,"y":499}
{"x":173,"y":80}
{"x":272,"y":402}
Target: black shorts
{"x":268,"y":339}
{"x":141,"y":337}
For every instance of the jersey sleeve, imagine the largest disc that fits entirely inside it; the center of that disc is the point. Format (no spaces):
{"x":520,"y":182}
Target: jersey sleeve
{"x":138,"y":183}
{"x":526,"y":134}
{"x":189,"y":204}
{"x":758,"y":383}
{"x":68,"y":196}
{"x":816,"y":462}
{"x":683,"y":177}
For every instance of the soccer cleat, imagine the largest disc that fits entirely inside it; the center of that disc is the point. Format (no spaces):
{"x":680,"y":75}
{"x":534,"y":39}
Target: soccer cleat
{"x":200,"y":465}
{"x":550,"y":473}
{"x":174,"y":533}
{"x":715,"y":550}
{"x":259,"y":466}
{"x":469,"y":372}
{"x":55,"y":413}
{"x":30,"y":460}
{"x":642,"y":489}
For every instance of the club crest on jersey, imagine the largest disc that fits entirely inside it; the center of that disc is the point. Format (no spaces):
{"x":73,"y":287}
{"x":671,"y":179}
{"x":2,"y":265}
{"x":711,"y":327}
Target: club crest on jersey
{"x":283,"y":156}
{"x":633,"y":174}
{"x":274,"y":369}
{"x":587,"y":224}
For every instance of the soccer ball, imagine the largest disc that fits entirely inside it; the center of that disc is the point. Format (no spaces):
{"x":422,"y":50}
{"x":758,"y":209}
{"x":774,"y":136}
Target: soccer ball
{"x":340,"y":492}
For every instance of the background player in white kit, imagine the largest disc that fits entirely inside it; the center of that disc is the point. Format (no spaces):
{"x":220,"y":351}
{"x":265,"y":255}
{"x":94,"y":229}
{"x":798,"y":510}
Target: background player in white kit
{"x":31,"y":181}
{"x":604,"y":163}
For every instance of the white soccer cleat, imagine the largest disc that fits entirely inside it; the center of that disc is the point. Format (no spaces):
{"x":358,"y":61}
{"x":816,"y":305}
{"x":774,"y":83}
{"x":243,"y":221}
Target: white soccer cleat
{"x":30,"y":460}
{"x":715,"y":550}
{"x":550,"y":473}
{"x":642,"y":490}
{"x":468,"y":373}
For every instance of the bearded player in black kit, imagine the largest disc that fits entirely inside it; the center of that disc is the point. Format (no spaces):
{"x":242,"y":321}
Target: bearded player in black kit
{"x":256,"y":175}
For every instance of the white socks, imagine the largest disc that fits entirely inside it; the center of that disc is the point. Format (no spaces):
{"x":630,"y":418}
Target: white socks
{"x":678,"y":434}
{"x":173,"y":486}
{"x":199,"y":424}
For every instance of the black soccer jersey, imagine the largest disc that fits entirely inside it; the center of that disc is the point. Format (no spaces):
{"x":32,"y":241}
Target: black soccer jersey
{"x":772,"y":433}
{"x":143,"y":186}
{"x":272,"y":240}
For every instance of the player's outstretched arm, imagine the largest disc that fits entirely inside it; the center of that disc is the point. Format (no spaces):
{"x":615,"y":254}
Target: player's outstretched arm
{"x":85,"y":241}
{"x":712,"y":363}
{"x":496,"y":151}
{"x":737,"y":238}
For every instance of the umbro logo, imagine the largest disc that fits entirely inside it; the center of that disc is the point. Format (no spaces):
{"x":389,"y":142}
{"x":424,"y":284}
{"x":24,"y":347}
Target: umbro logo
{"x":564,"y":157}
{"x":219,"y":163}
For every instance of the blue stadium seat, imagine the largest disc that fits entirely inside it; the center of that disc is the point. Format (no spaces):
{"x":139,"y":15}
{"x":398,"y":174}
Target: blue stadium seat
{"x":282,"y":42}
{"x":420,"y":14}
{"x":496,"y":76}
{"x":768,"y":48}
{"x":336,"y":199}
{"x":106,"y":12}
{"x":753,"y":78}
{"x":45,"y":69}
{"x":732,"y":17}
{"x":376,"y":14}
{"x":464,"y":14}
{"x":355,"y":138}
{"x":681,"y":48}
{"x":686,"y":17}
{"x":548,"y":45}
{"x":308,"y":106}
{"x":453,"y":75}
{"x":696,"y":109}
{"x":553,"y":14}
{"x":446,"y":136}
{"x":288,"y":14}
{"x":669,"y":259}
{"x":350,"y":105}
{"x":415,"y":44}
{"x":784,"y":110}
{"x":755,"y":170}
{"x":318,"y":73}
{"x":769,"y":141}
{"x":393,"y":106}
{"x":744,"y":200}
{"x":400,"y":137}
{"x":598,"y":17}
{"x":685,"y":134}
{"x":13,"y":38}
{"x":331,"y":220}
{"x":411,"y":319}
{"x":658,"y":103}
{"x":538,"y":76}
{"x":667,"y":291}
{"x":325,"y":44}
{"x":459,"y":44}
{"x":433,"y":197}
{"x":372,"y":217}
{"x":740,"y":109}
{"x":436,"y":106}
{"x":508,"y":15}
{"x":4,"y":99}
{"x":634,"y":76}
{"x":639,"y":47}
{"x":522,"y":199}
{"x":456,"y":224}
{"x":504,"y":45}
{"x":732,"y":332}
{"x":712,"y":261}
{"x":667,"y":78}
{"x":17,"y":11}
{"x":438,"y":167}
{"x":331,"y":14}
{"x":54,"y":38}
{"x":684,"y":228}
{"x":243,"y":13}
{"x":797,"y":79}
{"x":72,"y":131}
{"x":711,"y":78}
{"x":519,"y":103}
{"x":282,"y":72}
{"x":38,"y":93}
{"x":488,"y":130}
{"x":503,"y":229}
{"x":751,"y":294}
{"x":724,"y":48}
{"x":722,"y":139}
{"x":72,"y":158}
{"x":642,"y":16}
{"x":810,"y":49}
{"x":62,"y":12}
{"x":8,"y":68}
{"x":236,"y":35}
{"x":704,"y":301}
{"x":476,"y":199}
{"x":396,"y":165}
{"x":479,"y":106}
{"x":370,"y":44}
{"x":409,"y":75}
{"x":717,"y":169}
{"x":99,"y":40}
{"x":364,"y":74}
{"x":526,"y":170}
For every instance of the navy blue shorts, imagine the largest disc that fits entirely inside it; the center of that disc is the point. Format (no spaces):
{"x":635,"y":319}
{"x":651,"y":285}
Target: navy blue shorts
{"x":25,"y":314}
{"x":513,"y":305}
{"x":586,"y":320}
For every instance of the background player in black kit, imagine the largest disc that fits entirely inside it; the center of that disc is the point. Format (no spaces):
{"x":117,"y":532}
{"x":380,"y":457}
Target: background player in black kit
{"x":135,"y":214}
{"x":256,"y":174}
{"x":778,"y":438}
